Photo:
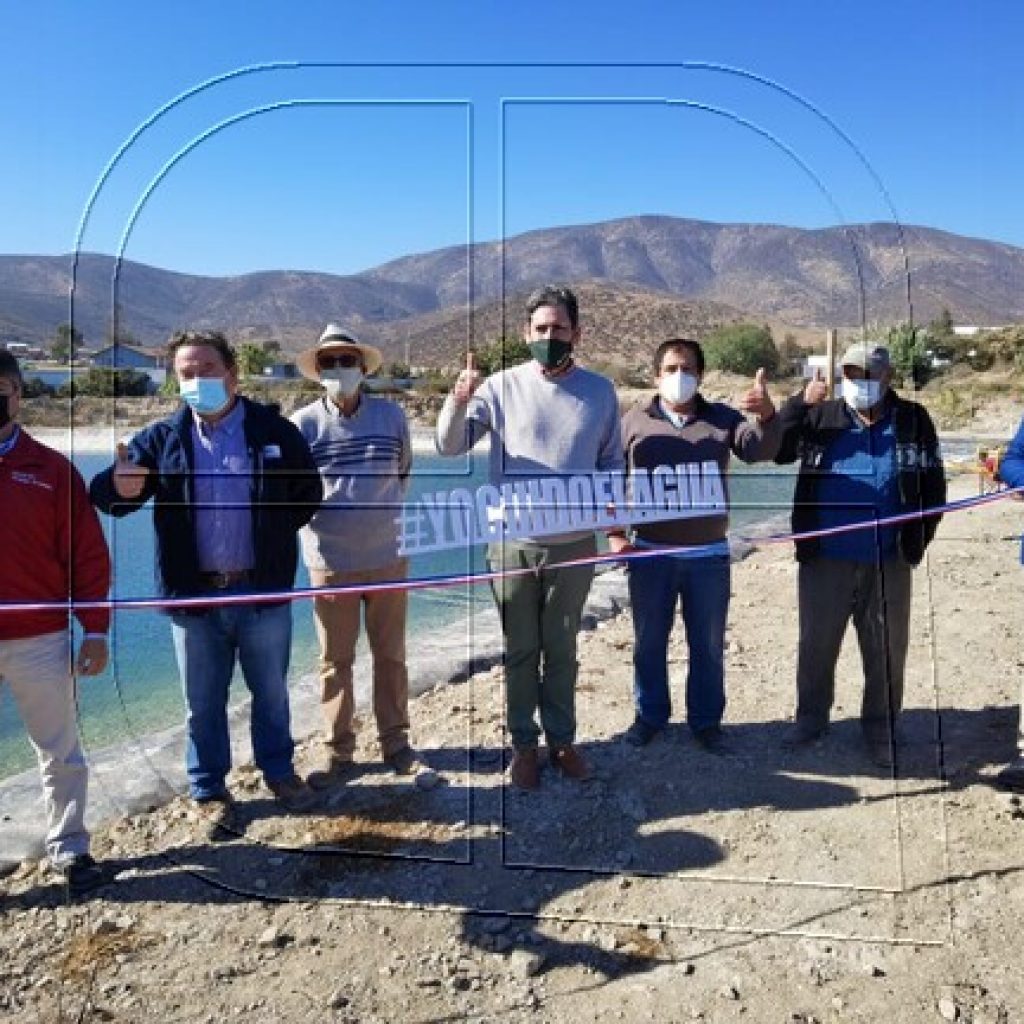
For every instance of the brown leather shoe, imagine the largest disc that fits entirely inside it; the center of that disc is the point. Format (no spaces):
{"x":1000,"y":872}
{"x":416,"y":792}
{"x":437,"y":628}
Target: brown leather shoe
{"x":525,"y":768}
{"x":571,"y":763}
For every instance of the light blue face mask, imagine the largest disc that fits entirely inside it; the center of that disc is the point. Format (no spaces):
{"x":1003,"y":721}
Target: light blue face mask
{"x":862,"y":394}
{"x":207,"y":395}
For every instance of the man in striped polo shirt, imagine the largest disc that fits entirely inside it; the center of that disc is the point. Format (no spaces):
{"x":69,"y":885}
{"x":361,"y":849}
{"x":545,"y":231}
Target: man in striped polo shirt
{"x":360,"y":444}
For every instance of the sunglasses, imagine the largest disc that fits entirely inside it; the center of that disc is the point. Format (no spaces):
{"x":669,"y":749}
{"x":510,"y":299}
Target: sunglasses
{"x":341,"y":360}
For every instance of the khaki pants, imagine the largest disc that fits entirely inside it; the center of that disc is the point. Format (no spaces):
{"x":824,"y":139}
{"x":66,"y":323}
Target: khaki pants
{"x":337,"y":628}
{"x":38,"y":671}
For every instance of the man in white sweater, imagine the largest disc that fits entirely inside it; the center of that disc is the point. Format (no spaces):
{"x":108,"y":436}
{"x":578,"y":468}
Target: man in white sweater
{"x":548,"y":417}
{"x":361,"y":447}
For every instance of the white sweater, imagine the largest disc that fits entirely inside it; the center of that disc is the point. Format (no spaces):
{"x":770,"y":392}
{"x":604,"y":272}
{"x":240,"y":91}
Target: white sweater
{"x":540,"y":426}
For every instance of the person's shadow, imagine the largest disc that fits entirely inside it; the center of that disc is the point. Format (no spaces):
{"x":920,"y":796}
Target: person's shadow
{"x":509,"y":863}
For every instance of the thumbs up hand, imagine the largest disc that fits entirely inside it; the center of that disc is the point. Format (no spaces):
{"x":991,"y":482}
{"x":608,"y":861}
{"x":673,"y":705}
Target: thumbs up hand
{"x":129,"y":478}
{"x":757,"y":400}
{"x":468,"y":381}
{"x":816,"y":390}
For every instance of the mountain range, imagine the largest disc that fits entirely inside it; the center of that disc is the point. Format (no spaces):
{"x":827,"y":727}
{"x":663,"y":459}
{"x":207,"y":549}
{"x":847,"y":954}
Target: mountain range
{"x":654,"y":274}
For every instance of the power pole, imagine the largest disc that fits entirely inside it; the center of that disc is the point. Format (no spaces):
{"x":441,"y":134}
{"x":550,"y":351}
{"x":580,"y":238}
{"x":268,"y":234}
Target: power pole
{"x":831,"y":337}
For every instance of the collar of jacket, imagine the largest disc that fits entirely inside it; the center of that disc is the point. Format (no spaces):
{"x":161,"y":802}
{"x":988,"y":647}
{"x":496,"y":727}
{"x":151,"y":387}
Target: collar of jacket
{"x":835,"y":415}
{"x":257,"y":421}
{"x":653,"y":408}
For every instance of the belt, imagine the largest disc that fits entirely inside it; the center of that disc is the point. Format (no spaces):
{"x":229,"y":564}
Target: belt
{"x":224,"y":580}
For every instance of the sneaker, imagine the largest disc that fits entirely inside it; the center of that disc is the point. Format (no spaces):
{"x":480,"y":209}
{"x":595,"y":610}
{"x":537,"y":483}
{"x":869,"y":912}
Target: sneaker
{"x":83,"y":873}
{"x":639,"y":734}
{"x":571,"y":763}
{"x":292,"y":794}
{"x":219,"y":817}
{"x":524,"y":771}
{"x":335,"y":773}
{"x":1012,"y":776}
{"x":802,"y":733}
{"x":713,"y":740}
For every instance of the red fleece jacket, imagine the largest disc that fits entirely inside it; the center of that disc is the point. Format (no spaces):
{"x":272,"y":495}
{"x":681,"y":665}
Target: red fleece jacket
{"x":51,"y":545}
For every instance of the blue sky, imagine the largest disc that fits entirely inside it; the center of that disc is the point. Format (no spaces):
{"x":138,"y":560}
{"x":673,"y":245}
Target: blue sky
{"x":322,"y":165}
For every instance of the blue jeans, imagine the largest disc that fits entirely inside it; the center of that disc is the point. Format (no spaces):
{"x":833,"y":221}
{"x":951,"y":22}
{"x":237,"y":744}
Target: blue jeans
{"x":206,"y":646}
{"x":701,"y":586}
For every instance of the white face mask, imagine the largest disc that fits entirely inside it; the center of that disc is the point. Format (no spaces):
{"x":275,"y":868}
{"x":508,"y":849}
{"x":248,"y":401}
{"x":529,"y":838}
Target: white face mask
{"x":342,"y":381}
{"x":862,"y":394}
{"x":678,"y":388}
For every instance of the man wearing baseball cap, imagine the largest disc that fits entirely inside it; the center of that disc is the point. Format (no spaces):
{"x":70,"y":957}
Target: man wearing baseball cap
{"x":864,"y":457}
{"x":360,"y":444}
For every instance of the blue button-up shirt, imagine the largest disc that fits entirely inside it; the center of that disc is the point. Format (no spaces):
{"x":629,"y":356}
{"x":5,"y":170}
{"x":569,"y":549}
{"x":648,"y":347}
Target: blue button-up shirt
{"x":223,"y":493}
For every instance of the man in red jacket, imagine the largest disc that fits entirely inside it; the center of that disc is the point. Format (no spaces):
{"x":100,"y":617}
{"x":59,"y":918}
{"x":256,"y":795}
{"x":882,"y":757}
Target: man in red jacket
{"x":57,"y":552}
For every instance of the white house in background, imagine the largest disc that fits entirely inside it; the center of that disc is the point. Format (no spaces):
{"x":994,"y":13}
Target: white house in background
{"x":965,"y":330}
{"x":812,"y":364}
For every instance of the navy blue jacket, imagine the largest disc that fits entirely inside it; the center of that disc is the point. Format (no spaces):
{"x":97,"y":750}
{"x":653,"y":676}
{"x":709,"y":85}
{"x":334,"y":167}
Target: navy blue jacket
{"x":808,"y":430}
{"x":286,"y":491}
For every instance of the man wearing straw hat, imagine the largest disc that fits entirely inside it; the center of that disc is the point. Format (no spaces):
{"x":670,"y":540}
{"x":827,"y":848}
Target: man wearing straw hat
{"x":866,"y":456}
{"x":360,"y":444}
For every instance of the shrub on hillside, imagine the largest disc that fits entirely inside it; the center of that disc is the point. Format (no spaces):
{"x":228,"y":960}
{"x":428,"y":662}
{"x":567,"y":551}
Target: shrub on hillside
{"x":502,"y":354}
{"x":908,"y":350}
{"x":741,"y":348}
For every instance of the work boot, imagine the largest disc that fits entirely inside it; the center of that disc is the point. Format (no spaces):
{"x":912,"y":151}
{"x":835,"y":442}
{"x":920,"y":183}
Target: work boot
{"x":712,"y":739}
{"x":525,"y":768}
{"x":571,"y":763}
{"x":802,"y":733}
{"x":639,"y":734}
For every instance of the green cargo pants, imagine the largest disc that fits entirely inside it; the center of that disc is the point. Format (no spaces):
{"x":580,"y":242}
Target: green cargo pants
{"x":540,"y":617}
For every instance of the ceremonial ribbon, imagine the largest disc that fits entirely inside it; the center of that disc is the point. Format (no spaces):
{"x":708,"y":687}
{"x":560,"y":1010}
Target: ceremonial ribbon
{"x":203,"y":602}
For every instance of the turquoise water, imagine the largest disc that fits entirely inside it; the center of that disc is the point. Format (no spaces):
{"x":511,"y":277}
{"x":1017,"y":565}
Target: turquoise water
{"x":139,"y":693}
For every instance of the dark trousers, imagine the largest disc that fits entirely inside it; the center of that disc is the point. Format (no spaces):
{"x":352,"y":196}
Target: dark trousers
{"x":877,"y":598}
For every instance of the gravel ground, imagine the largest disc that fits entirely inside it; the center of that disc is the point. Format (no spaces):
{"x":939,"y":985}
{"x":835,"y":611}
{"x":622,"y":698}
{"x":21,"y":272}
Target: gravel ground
{"x":677,"y":886}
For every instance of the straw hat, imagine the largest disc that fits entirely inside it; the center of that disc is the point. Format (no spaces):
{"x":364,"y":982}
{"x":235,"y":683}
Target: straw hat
{"x":336,"y":339}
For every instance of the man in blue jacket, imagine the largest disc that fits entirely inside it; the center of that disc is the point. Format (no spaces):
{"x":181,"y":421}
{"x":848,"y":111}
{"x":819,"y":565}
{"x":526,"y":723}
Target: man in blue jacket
{"x":864,"y":457}
{"x":1011,"y":472}
{"x":233,"y":482}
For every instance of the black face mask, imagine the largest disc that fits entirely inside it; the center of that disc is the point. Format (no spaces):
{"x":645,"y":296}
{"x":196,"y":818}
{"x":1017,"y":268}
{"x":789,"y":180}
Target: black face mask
{"x":5,"y":411}
{"x":551,"y":352}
